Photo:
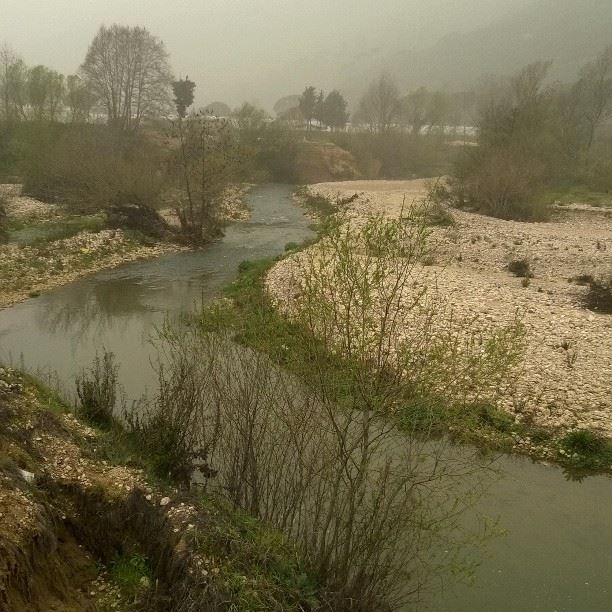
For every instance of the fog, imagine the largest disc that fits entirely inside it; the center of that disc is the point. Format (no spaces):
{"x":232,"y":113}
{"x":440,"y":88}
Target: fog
{"x":256,"y":50}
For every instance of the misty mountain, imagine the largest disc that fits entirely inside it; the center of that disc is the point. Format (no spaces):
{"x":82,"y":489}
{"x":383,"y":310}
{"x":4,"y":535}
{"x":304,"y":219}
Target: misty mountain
{"x":569,"y":32}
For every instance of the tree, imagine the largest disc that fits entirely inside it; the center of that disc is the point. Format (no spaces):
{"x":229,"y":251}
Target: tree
{"x":414,"y":109}
{"x":307,"y":104}
{"x":12,"y":84}
{"x":45,"y":92}
{"x":183,"y":95}
{"x":79,"y":99}
{"x":286,"y":104}
{"x":128,"y":70}
{"x":380,"y":105}
{"x":334,"y":112}
{"x":594,"y":92}
{"x":218,"y":109}
{"x":205,"y":163}
{"x":249,"y":117}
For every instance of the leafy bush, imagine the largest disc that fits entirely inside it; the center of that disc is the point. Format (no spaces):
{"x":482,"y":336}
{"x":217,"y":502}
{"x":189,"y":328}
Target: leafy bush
{"x":599,"y":295}
{"x":97,"y":391}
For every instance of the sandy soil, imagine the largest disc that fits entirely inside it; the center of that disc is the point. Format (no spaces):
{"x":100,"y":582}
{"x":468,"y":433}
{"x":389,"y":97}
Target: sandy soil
{"x":567,"y":377}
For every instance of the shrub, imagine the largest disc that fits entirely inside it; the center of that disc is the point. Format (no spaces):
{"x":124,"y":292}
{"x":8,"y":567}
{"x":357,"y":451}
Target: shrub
{"x":587,"y":449}
{"x":599,"y":295}
{"x":3,"y":221}
{"x":97,"y":391}
{"x":521,"y":268}
{"x":501,"y":183}
{"x":90,"y":167}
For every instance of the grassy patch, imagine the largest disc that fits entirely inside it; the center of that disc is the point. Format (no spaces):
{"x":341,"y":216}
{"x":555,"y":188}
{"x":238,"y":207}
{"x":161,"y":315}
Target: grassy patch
{"x":580,"y":194}
{"x":39,"y":233}
{"x":585,"y":449}
{"x":260,"y":568}
{"x":131,"y":573}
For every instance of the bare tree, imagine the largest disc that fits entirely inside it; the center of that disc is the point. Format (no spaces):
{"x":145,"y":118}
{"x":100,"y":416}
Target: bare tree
{"x":128,"y":70}
{"x":380,"y":105}
{"x":594,"y":91}
{"x":12,"y":84}
{"x":79,"y":99}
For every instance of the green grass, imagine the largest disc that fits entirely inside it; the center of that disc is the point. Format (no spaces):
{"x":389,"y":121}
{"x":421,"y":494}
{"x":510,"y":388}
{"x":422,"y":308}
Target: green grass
{"x":131,"y":573}
{"x":260,"y":568}
{"x":578,"y":194}
{"x":585,"y":449}
{"x":255,"y":323}
{"x":42,"y":232}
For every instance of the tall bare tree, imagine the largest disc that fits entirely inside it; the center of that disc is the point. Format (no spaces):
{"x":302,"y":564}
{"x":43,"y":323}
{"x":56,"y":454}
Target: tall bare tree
{"x":12,"y":84}
{"x":380,"y":105}
{"x":129,"y":72}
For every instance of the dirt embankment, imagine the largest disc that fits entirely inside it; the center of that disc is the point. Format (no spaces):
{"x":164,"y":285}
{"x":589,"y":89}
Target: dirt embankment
{"x":81,"y":531}
{"x":316,"y":162}
{"x":566,"y":377}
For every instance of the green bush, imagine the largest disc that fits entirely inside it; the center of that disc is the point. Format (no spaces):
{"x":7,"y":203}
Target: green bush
{"x":587,"y":449}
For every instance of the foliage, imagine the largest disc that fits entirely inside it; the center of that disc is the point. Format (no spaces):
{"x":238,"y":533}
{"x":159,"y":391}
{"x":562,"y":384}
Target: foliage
{"x":127,"y":69}
{"x":380,"y":108}
{"x":206,"y":161}
{"x":97,"y":391}
{"x":183,"y":95}
{"x":333,"y":112}
{"x":315,"y":443}
{"x":307,"y":104}
{"x":90,"y":167}
{"x":586,"y":449}
{"x":131,"y":573}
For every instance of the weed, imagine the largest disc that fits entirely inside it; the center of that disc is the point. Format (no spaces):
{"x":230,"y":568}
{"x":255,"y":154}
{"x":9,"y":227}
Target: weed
{"x":586,"y":449}
{"x":526,"y":282}
{"x":97,"y":391}
{"x":521,"y":268}
{"x":131,"y":573}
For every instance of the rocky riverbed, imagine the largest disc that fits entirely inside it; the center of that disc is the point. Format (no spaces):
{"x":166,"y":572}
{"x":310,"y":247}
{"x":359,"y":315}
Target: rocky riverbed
{"x":566,"y":377}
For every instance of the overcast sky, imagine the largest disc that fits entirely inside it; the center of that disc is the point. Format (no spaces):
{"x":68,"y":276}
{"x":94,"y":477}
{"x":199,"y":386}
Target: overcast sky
{"x":227,"y":46}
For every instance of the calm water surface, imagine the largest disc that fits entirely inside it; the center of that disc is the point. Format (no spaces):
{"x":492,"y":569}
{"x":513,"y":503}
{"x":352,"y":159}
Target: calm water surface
{"x":557,"y":553}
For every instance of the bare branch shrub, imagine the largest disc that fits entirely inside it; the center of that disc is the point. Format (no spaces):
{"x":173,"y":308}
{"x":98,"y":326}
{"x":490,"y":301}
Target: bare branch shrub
{"x":323,"y":458}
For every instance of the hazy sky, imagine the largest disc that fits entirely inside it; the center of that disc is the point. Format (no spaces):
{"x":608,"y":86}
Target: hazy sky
{"x":229,"y":46}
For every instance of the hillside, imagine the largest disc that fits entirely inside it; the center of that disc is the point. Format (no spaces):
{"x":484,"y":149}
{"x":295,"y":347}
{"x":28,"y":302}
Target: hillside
{"x":569,"y":32}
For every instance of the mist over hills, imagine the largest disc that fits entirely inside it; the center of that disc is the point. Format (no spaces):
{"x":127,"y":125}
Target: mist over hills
{"x":569,"y":32}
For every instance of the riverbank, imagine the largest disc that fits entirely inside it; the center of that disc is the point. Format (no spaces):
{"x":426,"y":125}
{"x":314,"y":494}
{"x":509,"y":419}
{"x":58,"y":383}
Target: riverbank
{"x":41,"y":258}
{"x":83,"y":525}
{"x":558,"y":407}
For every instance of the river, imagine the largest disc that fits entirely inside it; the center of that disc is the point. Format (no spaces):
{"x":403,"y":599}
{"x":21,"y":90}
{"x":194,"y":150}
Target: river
{"x":556,"y":555}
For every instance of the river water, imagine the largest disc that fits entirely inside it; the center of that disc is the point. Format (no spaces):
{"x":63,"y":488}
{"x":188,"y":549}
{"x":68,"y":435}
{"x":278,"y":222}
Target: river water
{"x":556,"y":554}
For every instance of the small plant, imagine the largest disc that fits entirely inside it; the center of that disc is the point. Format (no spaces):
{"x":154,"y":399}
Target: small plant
{"x":599,"y":295}
{"x":3,"y":221}
{"x":521,"y":268}
{"x":132,"y":574}
{"x":586,"y":449}
{"x":583,"y":279}
{"x":97,"y":391}
{"x":526,"y":282}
